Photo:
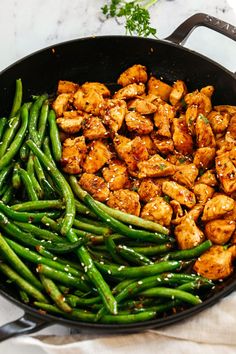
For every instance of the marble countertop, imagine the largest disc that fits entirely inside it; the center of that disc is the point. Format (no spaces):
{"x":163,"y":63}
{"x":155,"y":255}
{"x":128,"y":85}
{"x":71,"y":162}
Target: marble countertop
{"x":29,"y":25}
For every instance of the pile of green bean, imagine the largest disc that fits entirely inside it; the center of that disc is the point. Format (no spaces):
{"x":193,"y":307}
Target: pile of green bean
{"x":70,"y":255}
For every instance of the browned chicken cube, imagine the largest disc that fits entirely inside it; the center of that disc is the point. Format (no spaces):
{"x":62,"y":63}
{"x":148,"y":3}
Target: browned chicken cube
{"x":125,"y":200}
{"x":158,"y":210}
{"x":135,"y":74}
{"x":97,"y":86}
{"x":218,"y":121}
{"x":66,"y":87}
{"x":163,"y":118}
{"x":73,"y":154}
{"x":204,"y":133}
{"x":148,"y":190}
{"x":226,"y":172}
{"x":187,"y":234}
{"x":142,"y":106}
{"x":204,"y":157}
{"x":116,"y":175}
{"x":186,"y":175}
{"x":208,"y":178}
{"x":156,"y":166}
{"x":215,"y":264}
{"x":164,"y":145}
{"x":217,"y":207}
{"x":98,"y":155}
{"x":231,"y":215}
{"x":90,"y":101}
{"x":139,"y":124}
{"x":72,"y":121}
{"x":149,"y":144}
{"x":159,"y":88}
{"x":95,"y":186}
{"x":200,"y":100}
{"x":232,"y":127}
{"x":130,"y":91}
{"x":219,"y":231}
{"x":203,"y":192}
{"x":62,"y":103}
{"x":183,"y":141}
{"x":179,"y":193}
{"x":177,"y":209}
{"x":208,"y":90}
{"x":94,"y":129}
{"x":226,"y":108}
{"x":114,"y":114}
{"x":178,"y":92}
{"x":191,"y":115}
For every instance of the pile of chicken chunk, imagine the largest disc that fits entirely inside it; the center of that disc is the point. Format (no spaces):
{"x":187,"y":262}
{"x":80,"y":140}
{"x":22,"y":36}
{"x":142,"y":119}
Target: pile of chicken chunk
{"x":159,"y":152}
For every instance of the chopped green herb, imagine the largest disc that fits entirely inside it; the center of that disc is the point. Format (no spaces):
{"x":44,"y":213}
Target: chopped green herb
{"x":201,"y":171}
{"x":182,"y":159}
{"x":166,"y":198}
{"x":162,"y":166}
{"x":205,"y":120}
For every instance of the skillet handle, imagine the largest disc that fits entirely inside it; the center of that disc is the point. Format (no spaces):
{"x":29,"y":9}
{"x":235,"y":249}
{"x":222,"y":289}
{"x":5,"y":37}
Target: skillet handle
{"x":23,"y":325}
{"x":181,"y":34}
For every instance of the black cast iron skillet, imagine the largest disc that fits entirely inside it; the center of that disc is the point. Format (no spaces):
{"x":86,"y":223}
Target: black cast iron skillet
{"x":103,"y":59}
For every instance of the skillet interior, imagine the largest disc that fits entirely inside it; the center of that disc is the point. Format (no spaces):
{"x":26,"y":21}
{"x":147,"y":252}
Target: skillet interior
{"x":103,"y":59}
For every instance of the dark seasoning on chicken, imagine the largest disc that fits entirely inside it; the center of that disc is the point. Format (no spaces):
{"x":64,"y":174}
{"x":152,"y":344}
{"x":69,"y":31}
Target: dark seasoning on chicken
{"x":159,"y":152}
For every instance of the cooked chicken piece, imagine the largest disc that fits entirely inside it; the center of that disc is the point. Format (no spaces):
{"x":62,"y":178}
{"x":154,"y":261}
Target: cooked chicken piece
{"x":231,"y":215}
{"x":187,"y":234}
{"x":219,"y":122}
{"x":148,"y":190}
{"x":217,"y":207}
{"x":116,"y":175}
{"x":208,"y":90}
{"x":94,"y":129}
{"x":232,"y":155}
{"x":200,"y":100}
{"x":204,"y":133}
{"x":215,"y":264}
{"x":226,"y":108}
{"x":226,"y":172}
{"x":130,"y":91}
{"x":186,"y":175}
{"x":95,"y":185}
{"x":194,"y":213}
{"x":177,"y":93}
{"x":66,"y":87}
{"x":62,"y":103}
{"x":183,"y":141}
{"x":162,"y":119}
{"x":97,"y":86}
{"x":135,"y":74}
{"x":208,"y":178}
{"x":232,"y":127}
{"x":149,"y":144}
{"x":159,"y":88}
{"x":131,"y":151}
{"x":219,"y":231}
{"x":203,"y":192}
{"x":71,"y":125}
{"x":178,"y":159}
{"x":125,"y":200}
{"x":158,"y":210}
{"x":114,"y":115}
{"x":191,"y":115}
{"x":97,"y":157}
{"x":179,"y":193}
{"x":90,"y":101}
{"x":139,"y":124}
{"x":204,"y":157}
{"x":177,"y":209}
{"x":73,"y":154}
{"x":156,"y":166}
{"x":163,"y":145}
{"x":142,"y":106}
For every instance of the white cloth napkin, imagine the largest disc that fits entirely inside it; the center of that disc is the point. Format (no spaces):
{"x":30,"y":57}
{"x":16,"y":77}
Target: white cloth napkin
{"x":212,"y":331}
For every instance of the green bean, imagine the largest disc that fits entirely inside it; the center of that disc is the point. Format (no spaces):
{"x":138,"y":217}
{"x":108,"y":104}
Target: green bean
{"x":24,"y":152}
{"x":38,"y":232}
{"x":22,"y":283}
{"x":141,"y":271}
{"x":54,"y":135}
{"x":47,"y":150}
{"x":43,"y":121}
{"x":38,"y":205}
{"x":49,"y":191}
{"x":8,"y":136}
{"x":98,"y":230}
{"x":55,"y":294}
{"x":50,"y":223}
{"x":4,"y":174}
{"x":65,"y":290}
{"x":17,"y":264}
{"x":34,"y":114}
{"x":111,"y":247}
{"x":17,"y":98}
{"x":16,"y":144}
{"x":91,"y":221}
{"x":3,"y":122}
{"x":190,"y":253}
{"x":173,"y":294}
{"x":74,"y":300}
{"x":8,"y":194}
{"x":31,"y":172}
{"x":24,"y":296}
{"x":153,"y":250}
{"x":63,"y":277}
{"x":133,"y":256}
{"x":16,"y":181}
{"x":27,"y":182}
{"x":83,"y":210}
{"x":62,"y":184}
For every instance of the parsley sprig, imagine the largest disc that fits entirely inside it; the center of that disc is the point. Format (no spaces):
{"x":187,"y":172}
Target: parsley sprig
{"x":135,"y":13}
